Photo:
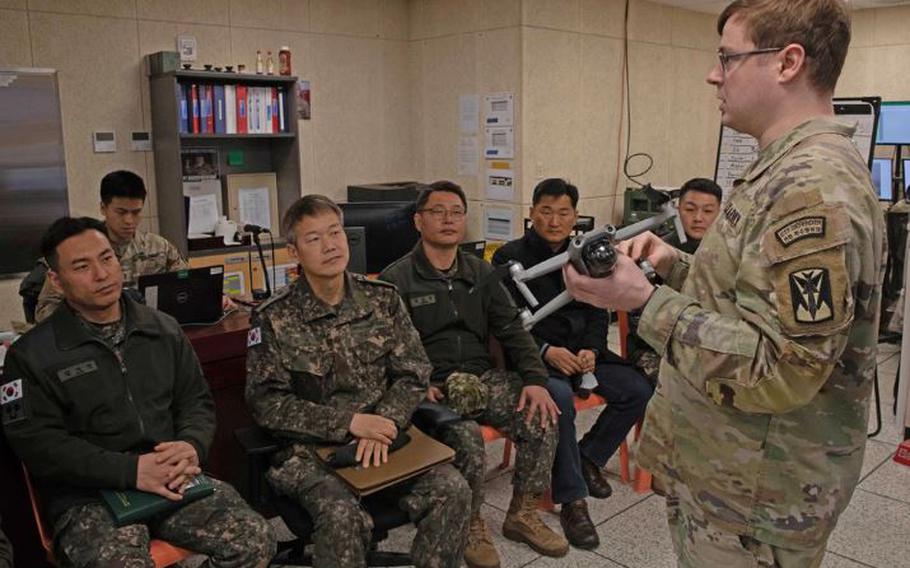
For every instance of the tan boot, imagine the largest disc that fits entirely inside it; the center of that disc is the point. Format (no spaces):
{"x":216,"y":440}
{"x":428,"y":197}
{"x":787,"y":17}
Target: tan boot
{"x":480,"y":552}
{"x":523,"y":524}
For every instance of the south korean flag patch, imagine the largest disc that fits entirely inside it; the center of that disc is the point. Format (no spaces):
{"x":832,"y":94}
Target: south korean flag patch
{"x":254,"y":337}
{"x":810,"y":292}
{"x":12,"y":402}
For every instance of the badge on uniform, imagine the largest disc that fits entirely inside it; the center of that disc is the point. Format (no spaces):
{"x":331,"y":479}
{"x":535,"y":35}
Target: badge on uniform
{"x":425,"y":300}
{"x":12,"y":402}
{"x":810,"y":290}
{"x":254,"y":337}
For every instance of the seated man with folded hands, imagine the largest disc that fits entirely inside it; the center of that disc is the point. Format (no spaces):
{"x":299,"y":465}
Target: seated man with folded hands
{"x":108,"y":394}
{"x":334,"y":359}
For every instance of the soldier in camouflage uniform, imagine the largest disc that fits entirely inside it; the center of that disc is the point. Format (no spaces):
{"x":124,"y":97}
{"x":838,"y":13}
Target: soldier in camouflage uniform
{"x":456,"y":308}
{"x":334,"y":359}
{"x":759,"y":424}
{"x":108,"y":394}
{"x":122,"y":199}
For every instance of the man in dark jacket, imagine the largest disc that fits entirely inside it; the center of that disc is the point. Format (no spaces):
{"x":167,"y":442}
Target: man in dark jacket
{"x":699,"y":205}
{"x":573,"y":341}
{"x":456,"y":308}
{"x":108,"y":394}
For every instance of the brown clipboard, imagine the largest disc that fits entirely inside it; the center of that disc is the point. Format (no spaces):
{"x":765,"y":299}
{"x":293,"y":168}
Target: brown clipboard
{"x":421,"y":454}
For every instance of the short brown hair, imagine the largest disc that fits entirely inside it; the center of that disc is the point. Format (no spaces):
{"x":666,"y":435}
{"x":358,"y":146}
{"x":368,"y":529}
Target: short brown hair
{"x":441,"y":185}
{"x":822,"y":27}
{"x":307,"y":206}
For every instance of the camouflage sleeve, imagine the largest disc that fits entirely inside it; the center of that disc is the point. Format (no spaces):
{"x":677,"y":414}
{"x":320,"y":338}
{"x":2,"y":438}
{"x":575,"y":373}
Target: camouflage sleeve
{"x":407,"y":368}
{"x":175,"y":260}
{"x":48,"y":300}
{"x":40,"y":438}
{"x":520,"y":348}
{"x":679,"y":271}
{"x":271,"y":398}
{"x":193,"y":409}
{"x":792,"y":327}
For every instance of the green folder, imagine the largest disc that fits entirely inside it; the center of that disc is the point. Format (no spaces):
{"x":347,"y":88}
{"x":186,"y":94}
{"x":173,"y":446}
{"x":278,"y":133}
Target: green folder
{"x":132,"y":506}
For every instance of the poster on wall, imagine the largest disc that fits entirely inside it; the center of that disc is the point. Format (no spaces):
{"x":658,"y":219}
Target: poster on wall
{"x":498,"y":109}
{"x":498,"y":223}
{"x":500,"y":181}
{"x":499,"y":142}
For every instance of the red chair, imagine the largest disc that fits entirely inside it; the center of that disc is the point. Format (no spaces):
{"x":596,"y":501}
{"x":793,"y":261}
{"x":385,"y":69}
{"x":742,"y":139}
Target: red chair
{"x":162,"y":553}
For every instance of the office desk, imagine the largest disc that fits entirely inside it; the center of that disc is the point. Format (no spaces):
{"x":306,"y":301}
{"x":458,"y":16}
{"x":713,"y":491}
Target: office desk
{"x":221,"y":349}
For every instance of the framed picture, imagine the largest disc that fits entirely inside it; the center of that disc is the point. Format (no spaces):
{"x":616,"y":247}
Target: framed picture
{"x":253,"y":200}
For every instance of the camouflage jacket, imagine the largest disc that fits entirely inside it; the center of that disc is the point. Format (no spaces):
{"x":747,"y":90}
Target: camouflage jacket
{"x":311,"y":366}
{"x":769,"y":346}
{"x":147,"y":253}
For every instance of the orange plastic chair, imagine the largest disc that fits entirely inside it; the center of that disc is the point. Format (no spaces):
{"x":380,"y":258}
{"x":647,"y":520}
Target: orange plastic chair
{"x":162,"y":553}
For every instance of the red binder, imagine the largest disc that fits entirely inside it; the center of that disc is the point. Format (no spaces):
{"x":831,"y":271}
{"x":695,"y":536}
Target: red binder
{"x":210,"y":109}
{"x":275,"y":125}
{"x":242,"y":109}
{"x":194,"y":101}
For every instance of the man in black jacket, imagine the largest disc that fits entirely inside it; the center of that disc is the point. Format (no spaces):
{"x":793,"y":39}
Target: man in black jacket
{"x":572,"y":342}
{"x":108,"y":394}
{"x":456,"y":307}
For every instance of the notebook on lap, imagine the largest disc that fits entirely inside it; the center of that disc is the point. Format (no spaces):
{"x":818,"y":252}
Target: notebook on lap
{"x":191,"y":296}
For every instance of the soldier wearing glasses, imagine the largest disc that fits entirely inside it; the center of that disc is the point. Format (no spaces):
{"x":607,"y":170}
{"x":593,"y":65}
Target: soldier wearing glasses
{"x":769,"y":332}
{"x":456,"y":313}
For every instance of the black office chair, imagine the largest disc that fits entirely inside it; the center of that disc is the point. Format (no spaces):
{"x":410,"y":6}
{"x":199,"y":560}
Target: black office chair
{"x":258,"y":447}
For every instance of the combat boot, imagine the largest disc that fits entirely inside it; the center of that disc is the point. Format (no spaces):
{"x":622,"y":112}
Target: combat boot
{"x":480,"y":552}
{"x":523,"y":524}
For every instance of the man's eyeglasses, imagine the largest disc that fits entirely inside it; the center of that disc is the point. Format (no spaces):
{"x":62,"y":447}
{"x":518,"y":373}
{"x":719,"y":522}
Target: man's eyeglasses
{"x":726,"y":58}
{"x":441,"y":212}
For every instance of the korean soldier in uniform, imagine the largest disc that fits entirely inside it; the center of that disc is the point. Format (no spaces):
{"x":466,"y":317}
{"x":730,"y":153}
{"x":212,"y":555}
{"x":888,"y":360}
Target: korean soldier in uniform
{"x":768,"y":333}
{"x":456,"y":307}
{"x":333,"y":359}
{"x":108,"y":394}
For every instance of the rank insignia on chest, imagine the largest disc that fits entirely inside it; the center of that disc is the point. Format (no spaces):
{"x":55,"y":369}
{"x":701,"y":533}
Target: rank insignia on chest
{"x":12,"y":403}
{"x":254,"y":337}
{"x":425,"y":300}
{"x":810,"y":290}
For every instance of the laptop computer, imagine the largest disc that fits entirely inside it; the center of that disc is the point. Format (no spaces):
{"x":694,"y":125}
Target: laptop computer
{"x":191,"y":296}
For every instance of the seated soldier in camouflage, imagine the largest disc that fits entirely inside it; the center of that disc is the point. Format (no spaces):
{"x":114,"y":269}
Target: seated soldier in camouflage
{"x":122,"y":200}
{"x":108,"y":394}
{"x":334,"y":359}
{"x":456,"y":309}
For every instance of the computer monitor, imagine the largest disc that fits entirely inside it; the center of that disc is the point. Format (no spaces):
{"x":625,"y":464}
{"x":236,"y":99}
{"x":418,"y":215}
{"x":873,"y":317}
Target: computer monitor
{"x":894,"y":123}
{"x":882,"y":176}
{"x":388,"y":230}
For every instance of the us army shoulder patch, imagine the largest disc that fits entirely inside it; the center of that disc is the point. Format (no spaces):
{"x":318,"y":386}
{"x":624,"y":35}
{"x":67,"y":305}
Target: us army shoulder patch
{"x":12,"y":402}
{"x":799,"y":229}
{"x":76,"y":370}
{"x":810,"y":292}
{"x":254,"y":337}
{"x":426,"y":300}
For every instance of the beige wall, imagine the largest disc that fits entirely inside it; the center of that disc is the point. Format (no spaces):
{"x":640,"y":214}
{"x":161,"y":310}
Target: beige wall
{"x":562,"y":59}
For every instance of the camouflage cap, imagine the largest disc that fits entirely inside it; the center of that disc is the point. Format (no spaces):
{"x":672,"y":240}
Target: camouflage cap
{"x":466,"y":394}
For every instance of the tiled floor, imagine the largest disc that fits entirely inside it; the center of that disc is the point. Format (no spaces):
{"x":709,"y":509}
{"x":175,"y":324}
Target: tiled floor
{"x":874,"y":531}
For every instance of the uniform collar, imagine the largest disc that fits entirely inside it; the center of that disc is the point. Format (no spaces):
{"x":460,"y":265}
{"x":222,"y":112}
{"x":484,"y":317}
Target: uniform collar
{"x":785,"y":143}
{"x":425,"y":269}
{"x":540,"y":247}
{"x":354,"y":303}
{"x":69,"y":333}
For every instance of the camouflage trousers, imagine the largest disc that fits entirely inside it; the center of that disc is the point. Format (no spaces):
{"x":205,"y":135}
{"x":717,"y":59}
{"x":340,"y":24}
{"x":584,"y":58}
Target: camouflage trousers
{"x":221,"y":526}
{"x":436,"y":502}
{"x":699,"y":543}
{"x":536,"y":446}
